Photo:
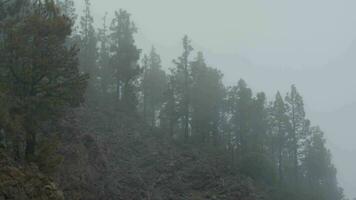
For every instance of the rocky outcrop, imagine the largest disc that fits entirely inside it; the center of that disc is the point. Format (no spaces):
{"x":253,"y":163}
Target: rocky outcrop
{"x":153,"y":169}
{"x":135,"y":163}
{"x":83,"y":173}
{"x":22,"y":183}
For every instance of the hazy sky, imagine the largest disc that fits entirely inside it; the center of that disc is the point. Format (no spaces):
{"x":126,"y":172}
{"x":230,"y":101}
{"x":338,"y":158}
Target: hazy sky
{"x":272,"y":44}
{"x":281,"y":33}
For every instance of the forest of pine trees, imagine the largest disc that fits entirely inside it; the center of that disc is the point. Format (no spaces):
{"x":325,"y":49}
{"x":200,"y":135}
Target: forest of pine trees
{"x":51,"y":61}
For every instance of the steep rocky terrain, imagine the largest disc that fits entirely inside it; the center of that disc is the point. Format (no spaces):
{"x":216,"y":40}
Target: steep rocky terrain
{"x":117,"y":164}
{"x":125,"y":162}
{"x":83,"y":172}
{"x":21,"y":183}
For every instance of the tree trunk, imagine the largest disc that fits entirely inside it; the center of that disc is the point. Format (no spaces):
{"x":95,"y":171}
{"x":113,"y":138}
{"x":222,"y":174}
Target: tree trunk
{"x":280,"y":155}
{"x":186,"y":100}
{"x":296,"y":167}
{"x":186,"y":118}
{"x":145,"y":107}
{"x":171,"y":128}
{"x":118,"y":90}
{"x":16,"y":149}
{"x":280,"y":164}
{"x":30,"y":144}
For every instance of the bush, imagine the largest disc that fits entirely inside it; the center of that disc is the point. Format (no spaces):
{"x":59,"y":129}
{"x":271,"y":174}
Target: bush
{"x":258,"y":167}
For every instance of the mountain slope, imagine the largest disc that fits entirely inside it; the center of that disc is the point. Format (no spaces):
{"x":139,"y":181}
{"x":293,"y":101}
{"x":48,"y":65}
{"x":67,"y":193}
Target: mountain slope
{"x":133,"y":162}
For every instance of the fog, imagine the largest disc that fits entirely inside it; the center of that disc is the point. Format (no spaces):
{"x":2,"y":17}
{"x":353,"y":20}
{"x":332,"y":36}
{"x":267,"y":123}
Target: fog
{"x":271,"y":44}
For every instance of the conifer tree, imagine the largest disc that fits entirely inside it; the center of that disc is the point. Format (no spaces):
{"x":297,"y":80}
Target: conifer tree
{"x":169,"y":113}
{"x":297,"y":134}
{"x":124,"y":59}
{"x":88,"y":47}
{"x":68,"y":9}
{"x":106,"y":71}
{"x":183,"y":78}
{"x":319,"y":171}
{"x":241,"y":103}
{"x":38,"y":69}
{"x":280,"y":126}
{"x":259,"y":124}
{"x":154,"y":84}
{"x":206,"y":94}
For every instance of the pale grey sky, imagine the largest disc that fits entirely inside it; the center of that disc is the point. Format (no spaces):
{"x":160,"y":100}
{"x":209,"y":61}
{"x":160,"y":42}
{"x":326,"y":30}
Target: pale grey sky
{"x":272,"y":44}
{"x":293,"y":30}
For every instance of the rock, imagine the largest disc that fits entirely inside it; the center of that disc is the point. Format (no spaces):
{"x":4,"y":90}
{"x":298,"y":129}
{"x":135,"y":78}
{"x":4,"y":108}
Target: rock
{"x":21,"y":183}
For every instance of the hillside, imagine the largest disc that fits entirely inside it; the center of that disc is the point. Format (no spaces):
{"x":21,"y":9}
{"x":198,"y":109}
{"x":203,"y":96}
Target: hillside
{"x":111,"y":167}
{"x":21,"y":183}
{"x":133,"y":163}
{"x":85,"y":110}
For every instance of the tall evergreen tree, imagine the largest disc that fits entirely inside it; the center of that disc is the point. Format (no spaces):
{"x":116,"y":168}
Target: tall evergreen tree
{"x":39,"y":70}
{"x":106,"y":70}
{"x":88,"y":47}
{"x":321,"y":182}
{"x":154,"y":84}
{"x":280,"y":126}
{"x":297,"y":134}
{"x":259,"y":124}
{"x":241,"y":103}
{"x":183,"y":77}
{"x":206,"y":94}
{"x":124,"y":60}
{"x":68,"y":9}
{"x":169,"y":113}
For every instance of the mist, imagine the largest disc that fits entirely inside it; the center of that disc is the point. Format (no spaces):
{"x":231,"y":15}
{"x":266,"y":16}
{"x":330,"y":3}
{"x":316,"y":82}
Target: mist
{"x":168,"y":99}
{"x":270,"y":44}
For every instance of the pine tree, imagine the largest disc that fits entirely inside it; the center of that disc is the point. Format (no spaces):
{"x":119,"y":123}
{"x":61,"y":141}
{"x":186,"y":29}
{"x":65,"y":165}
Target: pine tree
{"x":280,"y":126}
{"x":3,"y":12}
{"x":183,"y":78}
{"x":241,"y":103}
{"x":206,"y":94}
{"x":296,"y":115}
{"x":169,"y":113}
{"x":319,"y":171}
{"x":106,"y":71}
{"x":124,"y":60}
{"x":88,"y":47}
{"x":154,"y":84}
{"x":259,"y":124}
{"x":13,"y":8}
{"x":68,"y":9}
{"x":39,"y":70}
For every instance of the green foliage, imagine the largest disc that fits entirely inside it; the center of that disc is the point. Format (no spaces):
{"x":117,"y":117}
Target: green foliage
{"x":154,"y":84}
{"x":105,"y":75}
{"x":279,"y":131}
{"x":298,"y":130}
{"x":169,"y":113}
{"x":67,"y":7}
{"x":259,"y":167}
{"x":320,"y":172}
{"x":240,"y":103}
{"x":206,"y":95}
{"x":25,"y":182}
{"x":39,"y":71}
{"x":88,"y":47}
{"x":47,"y":157}
{"x":125,"y":56}
{"x":271,"y":142}
{"x":182,"y":79}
